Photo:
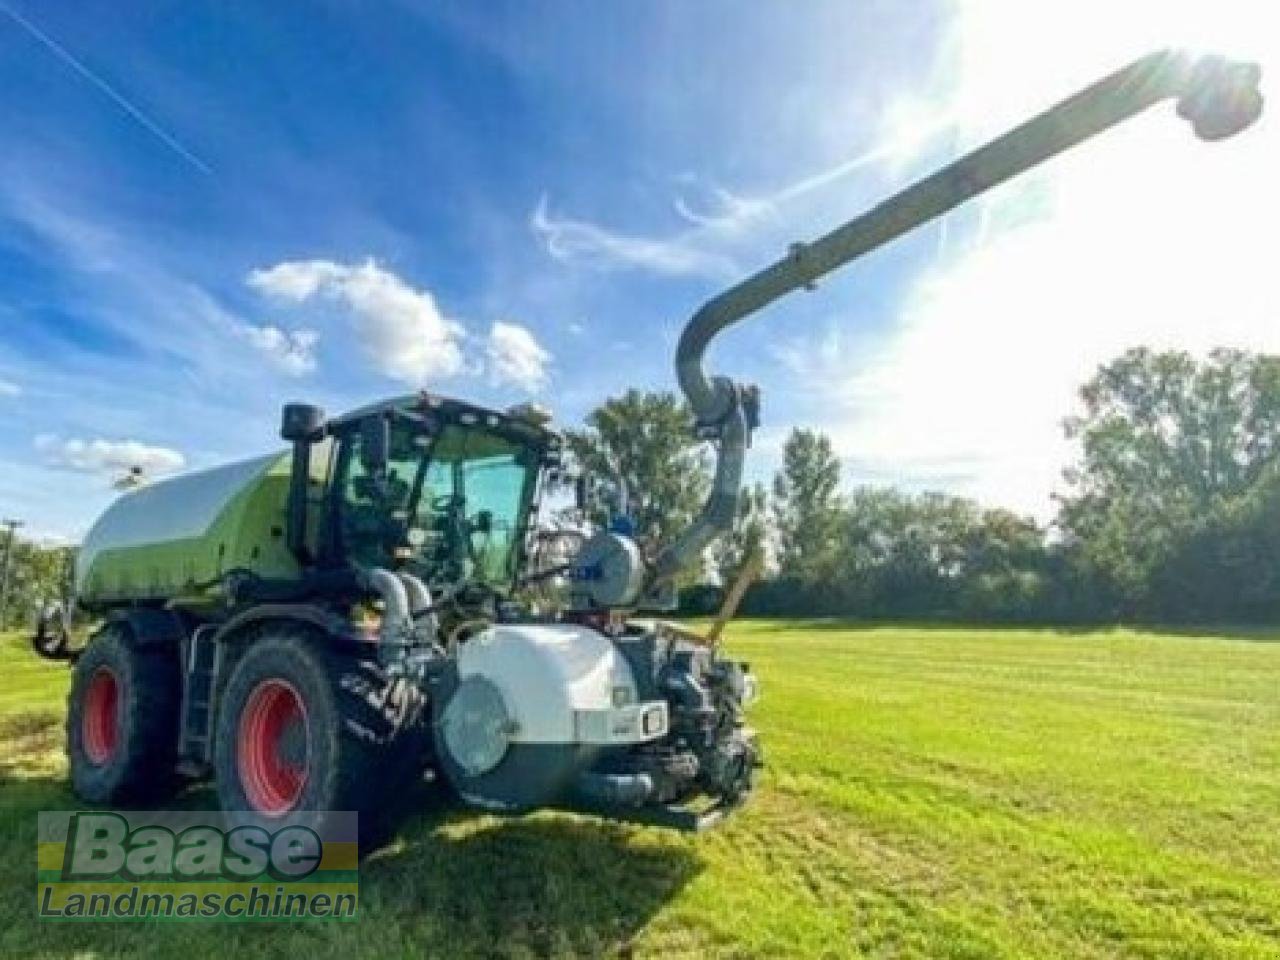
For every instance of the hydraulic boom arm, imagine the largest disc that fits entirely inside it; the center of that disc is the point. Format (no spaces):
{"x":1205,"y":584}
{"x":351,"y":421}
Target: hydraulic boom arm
{"x":1219,"y":97}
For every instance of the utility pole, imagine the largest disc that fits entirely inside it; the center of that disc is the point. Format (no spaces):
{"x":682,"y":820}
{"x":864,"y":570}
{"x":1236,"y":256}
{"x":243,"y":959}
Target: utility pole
{"x":12,"y":526}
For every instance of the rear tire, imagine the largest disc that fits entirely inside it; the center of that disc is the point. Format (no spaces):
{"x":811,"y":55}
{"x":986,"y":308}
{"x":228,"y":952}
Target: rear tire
{"x":304,"y":727}
{"x":122,"y":720}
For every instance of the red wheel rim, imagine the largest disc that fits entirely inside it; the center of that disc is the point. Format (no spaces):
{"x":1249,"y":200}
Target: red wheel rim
{"x":273,"y":747}
{"x":100,"y":723}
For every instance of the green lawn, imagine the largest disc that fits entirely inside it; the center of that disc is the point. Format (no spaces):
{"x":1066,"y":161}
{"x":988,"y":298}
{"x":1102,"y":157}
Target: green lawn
{"x":932,"y":793}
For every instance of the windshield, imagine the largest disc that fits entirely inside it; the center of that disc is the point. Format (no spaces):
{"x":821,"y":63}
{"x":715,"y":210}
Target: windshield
{"x":450,"y":504}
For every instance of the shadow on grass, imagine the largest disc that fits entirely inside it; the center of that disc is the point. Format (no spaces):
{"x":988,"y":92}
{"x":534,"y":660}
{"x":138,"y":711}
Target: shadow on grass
{"x":452,"y":884}
{"x":547,"y":884}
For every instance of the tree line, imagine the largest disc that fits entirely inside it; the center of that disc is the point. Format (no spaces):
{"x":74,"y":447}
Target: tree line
{"x":31,"y":574}
{"x":1170,"y":513}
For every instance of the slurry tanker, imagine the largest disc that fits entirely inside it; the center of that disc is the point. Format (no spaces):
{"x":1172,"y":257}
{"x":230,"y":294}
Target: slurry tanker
{"x":321,"y":628}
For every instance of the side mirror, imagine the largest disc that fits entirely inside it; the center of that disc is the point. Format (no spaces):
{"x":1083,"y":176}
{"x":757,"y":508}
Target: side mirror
{"x":375,"y":444}
{"x":301,"y":422}
{"x":302,"y":425}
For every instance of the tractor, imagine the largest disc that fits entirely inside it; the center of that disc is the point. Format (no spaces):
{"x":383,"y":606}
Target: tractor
{"x":327,"y":626}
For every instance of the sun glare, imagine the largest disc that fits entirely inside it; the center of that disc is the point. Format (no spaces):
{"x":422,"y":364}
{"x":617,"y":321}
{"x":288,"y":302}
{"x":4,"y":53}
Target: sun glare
{"x":1146,"y":236}
{"x":1013,"y":57}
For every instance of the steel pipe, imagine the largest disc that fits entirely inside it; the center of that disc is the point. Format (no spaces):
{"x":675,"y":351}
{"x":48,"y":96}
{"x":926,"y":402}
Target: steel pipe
{"x":1218,"y":97}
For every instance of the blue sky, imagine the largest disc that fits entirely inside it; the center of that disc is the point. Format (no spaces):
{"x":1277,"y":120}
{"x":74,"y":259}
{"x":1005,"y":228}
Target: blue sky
{"x":208,"y":209}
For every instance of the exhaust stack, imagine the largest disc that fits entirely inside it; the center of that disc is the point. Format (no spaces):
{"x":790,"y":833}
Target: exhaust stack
{"x":302,"y":425}
{"x":1217,"y":96}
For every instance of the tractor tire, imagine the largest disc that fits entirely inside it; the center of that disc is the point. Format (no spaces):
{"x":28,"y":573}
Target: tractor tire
{"x":304,"y":727}
{"x":122,"y":720}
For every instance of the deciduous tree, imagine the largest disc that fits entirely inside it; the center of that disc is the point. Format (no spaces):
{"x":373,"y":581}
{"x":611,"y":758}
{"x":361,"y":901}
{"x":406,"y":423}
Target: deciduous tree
{"x":646,"y":440}
{"x":1167,"y":443}
{"x":806,"y":505}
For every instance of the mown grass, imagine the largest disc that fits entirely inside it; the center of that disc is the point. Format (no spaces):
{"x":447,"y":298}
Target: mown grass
{"x":931,"y":793}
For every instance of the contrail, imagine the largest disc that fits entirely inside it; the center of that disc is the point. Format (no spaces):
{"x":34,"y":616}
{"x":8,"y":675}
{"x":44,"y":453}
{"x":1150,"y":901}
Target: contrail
{"x":63,"y":54}
{"x":878,"y":154}
{"x":750,"y":207}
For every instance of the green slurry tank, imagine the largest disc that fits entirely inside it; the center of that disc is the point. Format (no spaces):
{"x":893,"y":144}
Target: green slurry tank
{"x":326,"y":628}
{"x":179,"y":538}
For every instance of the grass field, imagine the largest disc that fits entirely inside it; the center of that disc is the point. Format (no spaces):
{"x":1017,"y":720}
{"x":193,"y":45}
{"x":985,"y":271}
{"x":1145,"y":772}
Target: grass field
{"x":932,"y":793}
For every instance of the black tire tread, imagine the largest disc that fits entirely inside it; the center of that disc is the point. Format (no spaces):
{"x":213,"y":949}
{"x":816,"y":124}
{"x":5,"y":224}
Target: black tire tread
{"x":381,"y":732}
{"x":144,"y":770}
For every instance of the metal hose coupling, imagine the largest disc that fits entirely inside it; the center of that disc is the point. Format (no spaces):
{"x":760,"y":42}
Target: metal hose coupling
{"x":1222,"y":97}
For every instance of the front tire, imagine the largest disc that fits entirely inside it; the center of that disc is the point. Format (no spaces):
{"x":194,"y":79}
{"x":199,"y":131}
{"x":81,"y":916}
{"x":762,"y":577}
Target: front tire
{"x":122,"y":720}
{"x":302,"y":727}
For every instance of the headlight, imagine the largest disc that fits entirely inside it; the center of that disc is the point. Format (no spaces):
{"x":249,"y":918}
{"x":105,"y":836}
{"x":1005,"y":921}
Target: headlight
{"x":654,"y":721}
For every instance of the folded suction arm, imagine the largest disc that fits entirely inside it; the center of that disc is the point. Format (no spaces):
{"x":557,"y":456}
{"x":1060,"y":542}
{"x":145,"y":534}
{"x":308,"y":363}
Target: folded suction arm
{"x":1219,"y":97}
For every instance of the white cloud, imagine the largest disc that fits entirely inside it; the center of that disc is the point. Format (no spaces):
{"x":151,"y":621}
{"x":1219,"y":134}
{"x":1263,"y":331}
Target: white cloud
{"x":514,"y":356}
{"x":578,"y":241}
{"x":1145,"y":236}
{"x":9,"y":389}
{"x":298,"y":280}
{"x":726,"y":227}
{"x":107,"y":456}
{"x":400,"y":328}
{"x":725,"y":210}
{"x":292,"y":351}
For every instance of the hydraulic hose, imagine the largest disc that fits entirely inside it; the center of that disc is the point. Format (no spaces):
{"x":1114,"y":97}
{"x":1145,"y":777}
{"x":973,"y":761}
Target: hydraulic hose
{"x":421,"y":608}
{"x":416,"y":592}
{"x":1218,"y":97}
{"x":718,"y":513}
{"x":397,"y":623}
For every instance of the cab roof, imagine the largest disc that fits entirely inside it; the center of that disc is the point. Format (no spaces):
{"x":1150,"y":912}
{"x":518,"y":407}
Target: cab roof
{"x":525,"y":417}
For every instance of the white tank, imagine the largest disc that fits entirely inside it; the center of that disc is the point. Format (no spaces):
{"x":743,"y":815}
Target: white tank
{"x":562,"y":684}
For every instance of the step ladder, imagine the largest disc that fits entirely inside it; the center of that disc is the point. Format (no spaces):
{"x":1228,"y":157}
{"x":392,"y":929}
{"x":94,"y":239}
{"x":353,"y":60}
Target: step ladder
{"x":204,"y":663}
